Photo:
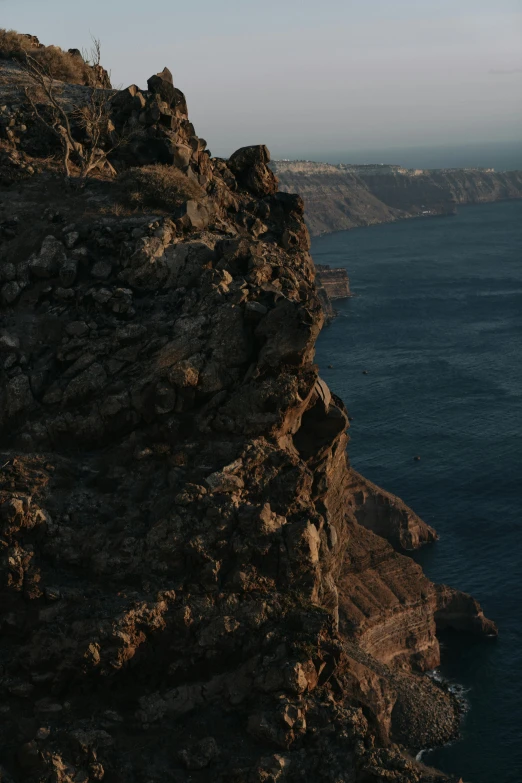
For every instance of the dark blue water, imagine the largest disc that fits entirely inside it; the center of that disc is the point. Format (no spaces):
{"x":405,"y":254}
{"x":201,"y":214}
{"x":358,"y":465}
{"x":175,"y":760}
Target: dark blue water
{"x":437,"y":322}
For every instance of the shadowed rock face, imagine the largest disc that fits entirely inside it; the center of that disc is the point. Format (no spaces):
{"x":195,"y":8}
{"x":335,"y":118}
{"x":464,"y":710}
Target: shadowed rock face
{"x":335,"y":282}
{"x":344,"y":197}
{"x":195,"y":585}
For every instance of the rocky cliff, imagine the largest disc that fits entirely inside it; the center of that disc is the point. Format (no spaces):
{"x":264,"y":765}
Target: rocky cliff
{"x":331,"y":284}
{"x":343,"y":197}
{"x":195,"y":584}
{"x":334,"y":281}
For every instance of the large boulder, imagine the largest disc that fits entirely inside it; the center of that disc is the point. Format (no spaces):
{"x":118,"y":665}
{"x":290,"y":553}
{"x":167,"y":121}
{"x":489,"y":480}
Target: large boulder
{"x":146,"y":150}
{"x":250,"y":167}
{"x":195,"y":215}
{"x":128,"y":100}
{"x":165,"y":75}
{"x":161,"y":84}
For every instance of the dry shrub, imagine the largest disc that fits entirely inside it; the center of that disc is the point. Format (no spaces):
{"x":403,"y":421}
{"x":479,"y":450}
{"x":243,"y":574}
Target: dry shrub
{"x":12,"y":43}
{"x":60,"y":65}
{"x":164,"y":187}
{"x":115,"y":210}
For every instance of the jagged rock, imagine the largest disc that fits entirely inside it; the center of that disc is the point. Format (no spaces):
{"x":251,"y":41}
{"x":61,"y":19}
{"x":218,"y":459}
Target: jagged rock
{"x":183,"y":539}
{"x":461,"y":612}
{"x":335,"y":281}
{"x":388,"y":516}
{"x":162,"y":84}
{"x":250,"y":166}
{"x":127,"y":100}
{"x":195,"y":215}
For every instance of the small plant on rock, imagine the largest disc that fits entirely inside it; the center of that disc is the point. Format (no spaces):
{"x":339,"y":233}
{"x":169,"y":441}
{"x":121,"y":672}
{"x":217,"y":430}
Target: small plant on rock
{"x":90,"y":119}
{"x":64,"y":66}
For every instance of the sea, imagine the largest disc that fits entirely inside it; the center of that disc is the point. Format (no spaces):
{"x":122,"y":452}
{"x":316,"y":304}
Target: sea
{"x":501,"y":156}
{"x":436,"y":322}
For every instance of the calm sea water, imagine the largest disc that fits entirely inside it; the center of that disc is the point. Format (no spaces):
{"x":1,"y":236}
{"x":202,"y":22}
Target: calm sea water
{"x":437,"y":323}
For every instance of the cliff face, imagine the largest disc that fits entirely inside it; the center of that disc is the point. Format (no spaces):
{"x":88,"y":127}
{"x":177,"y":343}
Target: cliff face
{"x":343,"y":197}
{"x":335,"y":281}
{"x":331,"y":284}
{"x":195,"y":583}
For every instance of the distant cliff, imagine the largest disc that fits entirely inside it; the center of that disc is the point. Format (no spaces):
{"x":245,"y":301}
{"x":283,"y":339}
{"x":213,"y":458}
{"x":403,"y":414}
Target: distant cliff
{"x":342,"y":197}
{"x":331,"y":284}
{"x":335,"y":281}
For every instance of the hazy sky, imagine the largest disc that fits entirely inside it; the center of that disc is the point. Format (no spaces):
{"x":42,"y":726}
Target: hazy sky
{"x":310,"y":75}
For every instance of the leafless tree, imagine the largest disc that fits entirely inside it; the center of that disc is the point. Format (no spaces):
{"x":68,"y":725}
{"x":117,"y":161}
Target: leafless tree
{"x":92,"y":56}
{"x":93,"y":116}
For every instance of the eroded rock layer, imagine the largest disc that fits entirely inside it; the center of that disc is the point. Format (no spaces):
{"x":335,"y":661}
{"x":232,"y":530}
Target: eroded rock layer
{"x":341,"y":197}
{"x":195,"y":585}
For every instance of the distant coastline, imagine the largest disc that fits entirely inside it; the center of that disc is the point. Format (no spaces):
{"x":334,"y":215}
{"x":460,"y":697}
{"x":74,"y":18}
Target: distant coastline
{"x":342,"y":196}
{"x":502,"y":156}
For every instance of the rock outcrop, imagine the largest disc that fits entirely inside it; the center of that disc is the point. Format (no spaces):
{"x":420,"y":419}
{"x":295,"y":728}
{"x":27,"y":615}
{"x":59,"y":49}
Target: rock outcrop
{"x":331,"y":284}
{"x":71,"y":65}
{"x":195,"y":584}
{"x":334,"y":281}
{"x":387,"y":515}
{"x":346,"y":196}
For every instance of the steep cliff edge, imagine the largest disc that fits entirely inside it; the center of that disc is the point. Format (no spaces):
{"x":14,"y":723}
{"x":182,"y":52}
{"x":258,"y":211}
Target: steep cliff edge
{"x":335,"y":281}
{"x":331,"y":284}
{"x":344,"y":197}
{"x":195,"y":585}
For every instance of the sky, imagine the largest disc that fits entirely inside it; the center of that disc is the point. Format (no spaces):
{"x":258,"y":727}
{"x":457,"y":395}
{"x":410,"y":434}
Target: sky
{"x":310,"y":77}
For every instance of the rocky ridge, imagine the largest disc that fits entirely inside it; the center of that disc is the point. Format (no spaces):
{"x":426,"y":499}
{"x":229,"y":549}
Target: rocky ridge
{"x":195,"y":584}
{"x":340,"y":197}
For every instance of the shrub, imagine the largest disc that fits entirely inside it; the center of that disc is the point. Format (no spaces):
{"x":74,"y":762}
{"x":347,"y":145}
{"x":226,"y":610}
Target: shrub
{"x":60,"y":65}
{"x":12,"y":43}
{"x":160,"y":186}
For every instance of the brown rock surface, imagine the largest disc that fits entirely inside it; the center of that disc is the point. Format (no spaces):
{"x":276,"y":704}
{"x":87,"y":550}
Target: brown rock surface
{"x":195,"y":585}
{"x":387,"y":515}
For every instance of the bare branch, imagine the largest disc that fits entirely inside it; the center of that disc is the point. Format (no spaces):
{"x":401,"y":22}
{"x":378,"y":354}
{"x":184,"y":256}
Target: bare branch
{"x":92,"y":56}
{"x":93,"y":117}
{"x":52,"y":129}
{"x":95,"y":57}
{"x":43,"y":78}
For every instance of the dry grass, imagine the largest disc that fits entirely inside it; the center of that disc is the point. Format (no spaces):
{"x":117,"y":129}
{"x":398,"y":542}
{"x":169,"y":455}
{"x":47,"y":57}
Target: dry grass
{"x":60,"y":65}
{"x":116,"y":210}
{"x":163,"y":187}
{"x":12,"y":43}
